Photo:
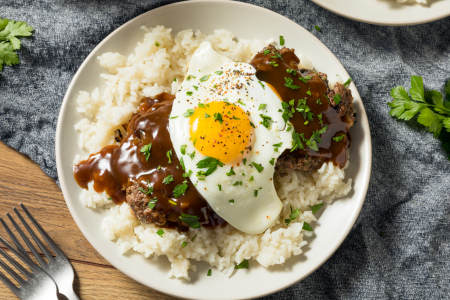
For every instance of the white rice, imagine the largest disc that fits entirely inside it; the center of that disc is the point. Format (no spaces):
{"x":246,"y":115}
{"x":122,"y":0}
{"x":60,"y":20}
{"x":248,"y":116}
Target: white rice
{"x":148,"y":72}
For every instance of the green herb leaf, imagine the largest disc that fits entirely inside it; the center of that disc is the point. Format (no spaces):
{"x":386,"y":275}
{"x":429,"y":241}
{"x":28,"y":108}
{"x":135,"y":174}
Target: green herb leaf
{"x":347,"y":83}
{"x":192,"y":221}
{"x":209,"y":163}
{"x":231,"y":172}
{"x":189,"y":77}
{"x":339,"y":138}
{"x":307,"y":227}
{"x":416,"y":90}
{"x":242,"y":265}
{"x":315,"y":208}
{"x":431,"y":120}
{"x":317,"y":28}
{"x":179,"y":190}
{"x":281,"y":40}
{"x":169,"y":155}
{"x":255,"y":193}
{"x":244,"y":161}
{"x":183,"y":149}
{"x":263,"y":86}
{"x":220,"y":187}
{"x":152,"y":203}
{"x":231,"y":201}
{"x":168,"y":179}
{"x":184,"y":244}
{"x":157,"y":44}
{"x":337,"y":99}
{"x":219,"y":72}
{"x":251,"y":179}
{"x":262,"y":106}
{"x":289,"y":84}
{"x":204,"y":78}
{"x":272,"y":161}
{"x":267,"y":51}
{"x":189,"y":113}
{"x":146,"y":150}
{"x":258,"y":167}
{"x":218,"y":117}
{"x":160,"y":232}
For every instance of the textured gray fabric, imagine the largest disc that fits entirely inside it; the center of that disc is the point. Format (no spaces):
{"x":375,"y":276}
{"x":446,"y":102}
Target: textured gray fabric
{"x":408,"y":197}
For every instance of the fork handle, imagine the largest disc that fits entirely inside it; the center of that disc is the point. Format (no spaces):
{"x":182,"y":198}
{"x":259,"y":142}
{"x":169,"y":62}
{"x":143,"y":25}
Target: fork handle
{"x":70,"y":294}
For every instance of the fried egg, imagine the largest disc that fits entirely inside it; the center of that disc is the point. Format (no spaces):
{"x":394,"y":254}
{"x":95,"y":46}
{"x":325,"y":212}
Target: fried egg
{"x":227,"y":129}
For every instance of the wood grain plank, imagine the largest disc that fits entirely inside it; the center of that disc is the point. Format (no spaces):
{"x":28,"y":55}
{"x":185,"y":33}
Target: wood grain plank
{"x":22,"y":181}
{"x":98,"y":282}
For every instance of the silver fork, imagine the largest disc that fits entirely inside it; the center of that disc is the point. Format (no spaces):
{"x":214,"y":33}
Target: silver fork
{"x":38,"y":284}
{"x":59,"y":267}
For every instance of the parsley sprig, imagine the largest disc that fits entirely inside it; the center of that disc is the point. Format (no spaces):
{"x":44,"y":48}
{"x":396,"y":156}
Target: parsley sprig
{"x":10,"y":30}
{"x":433,"y":109}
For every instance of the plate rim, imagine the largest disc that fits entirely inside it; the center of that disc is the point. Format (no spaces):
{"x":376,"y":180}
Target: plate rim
{"x":343,"y":13}
{"x":365,"y":173}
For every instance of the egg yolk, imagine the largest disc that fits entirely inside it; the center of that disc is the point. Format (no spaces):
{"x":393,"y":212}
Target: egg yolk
{"x":221,"y":130}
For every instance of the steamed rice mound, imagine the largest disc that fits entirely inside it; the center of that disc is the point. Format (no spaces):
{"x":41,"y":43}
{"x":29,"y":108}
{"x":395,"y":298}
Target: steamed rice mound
{"x":151,"y":70}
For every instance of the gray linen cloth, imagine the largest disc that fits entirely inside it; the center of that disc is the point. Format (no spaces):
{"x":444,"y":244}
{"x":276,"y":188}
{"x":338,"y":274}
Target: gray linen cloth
{"x":408,"y":198}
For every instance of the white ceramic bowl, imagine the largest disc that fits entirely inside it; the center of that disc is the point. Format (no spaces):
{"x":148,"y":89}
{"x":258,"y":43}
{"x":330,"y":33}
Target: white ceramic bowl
{"x":388,"y":12}
{"x":246,"y":21}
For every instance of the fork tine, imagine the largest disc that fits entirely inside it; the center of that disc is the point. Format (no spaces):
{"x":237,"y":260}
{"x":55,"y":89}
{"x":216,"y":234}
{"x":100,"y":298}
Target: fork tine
{"x":44,"y":234}
{"x":25,"y":238}
{"x":9,"y":270}
{"x":13,"y":261}
{"x":13,"y":237}
{"x":33,"y":235}
{"x":9,"y":284}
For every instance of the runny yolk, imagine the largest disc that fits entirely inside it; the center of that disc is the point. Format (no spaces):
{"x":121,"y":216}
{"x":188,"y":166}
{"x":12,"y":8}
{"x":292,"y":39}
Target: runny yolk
{"x":221,"y":130}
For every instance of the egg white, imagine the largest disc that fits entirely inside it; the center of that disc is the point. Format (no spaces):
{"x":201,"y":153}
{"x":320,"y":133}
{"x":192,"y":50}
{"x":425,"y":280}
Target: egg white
{"x":248,"y":213}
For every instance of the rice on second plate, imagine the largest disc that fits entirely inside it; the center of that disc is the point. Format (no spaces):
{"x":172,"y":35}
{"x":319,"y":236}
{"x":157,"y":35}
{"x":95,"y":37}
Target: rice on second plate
{"x":151,"y":71}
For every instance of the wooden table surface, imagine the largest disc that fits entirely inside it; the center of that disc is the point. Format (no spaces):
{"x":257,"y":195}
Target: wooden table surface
{"x":22,"y":181}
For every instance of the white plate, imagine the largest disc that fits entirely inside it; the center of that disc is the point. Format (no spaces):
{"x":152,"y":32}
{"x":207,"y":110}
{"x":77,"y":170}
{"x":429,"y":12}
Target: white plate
{"x":388,"y":12}
{"x":248,"y":22}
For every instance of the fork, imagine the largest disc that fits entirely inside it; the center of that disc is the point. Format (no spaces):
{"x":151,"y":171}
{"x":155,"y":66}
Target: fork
{"x":59,"y":267}
{"x":38,"y":284}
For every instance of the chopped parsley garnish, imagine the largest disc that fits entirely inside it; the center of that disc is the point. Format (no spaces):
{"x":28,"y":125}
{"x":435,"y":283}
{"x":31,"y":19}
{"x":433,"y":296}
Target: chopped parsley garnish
{"x":251,"y":124}
{"x":240,"y":102}
{"x":258,"y":167}
{"x":276,"y":55}
{"x":184,"y":244}
{"x":339,"y":138}
{"x":273,"y":63}
{"x":255,"y":193}
{"x":109,"y":198}
{"x":159,"y":167}
{"x":146,"y":150}
{"x":149,"y":189}
{"x":187,"y":174}
{"x":244,"y":161}
{"x":175,"y":80}
{"x":207,"y":116}
{"x":174,"y":117}
{"x":209,"y":272}
{"x":303,"y":79}
{"x":219,"y":72}
{"x":168,"y":179}
{"x":337,"y":99}
{"x":292,"y":71}
{"x":192,"y":155}
{"x":262,"y":106}
{"x":189,"y":113}
{"x":160,"y":232}
{"x":218,"y":117}
{"x":183,"y":149}
{"x":242,"y":265}
{"x":152,"y":203}
{"x":315,"y":208}
{"x":263,"y":86}
{"x":319,"y":102}
{"x":169,"y":154}
{"x":231,"y":172}
{"x":209,"y":163}
{"x":189,"y":93}
{"x":281,"y":40}
{"x":196,"y":88}
{"x":231,"y":201}
{"x":157,"y":44}
{"x":289,"y":127}
{"x":189,"y":77}
{"x":193,"y":238}
{"x":181,"y":163}
{"x":267,"y":51}
{"x":220,"y":187}
{"x":251,"y":178}
{"x":307,"y":227}
{"x":308,"y":92}
{"x":289,"y":84}
{"x":237,"y":183}
{"x":173,"y":202}
{"x":192,"y":221}
{"x":195,"y":141}
{"x":235,"y":118}
{"x":296,"y":141}
{"x":266,"y":121}
{"x":179,"y":190}
{"x":278,"y":145}
{"x":272,"y":161}
{"x":317,"y":28}
{"x":294,"y":214}
{"x":204,"y":78}
{"x":347,"y":83}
